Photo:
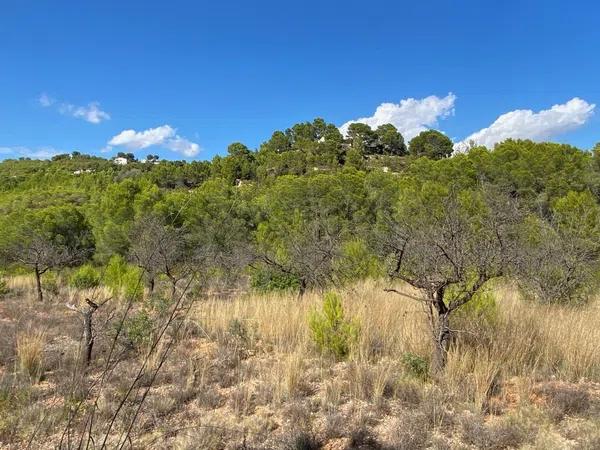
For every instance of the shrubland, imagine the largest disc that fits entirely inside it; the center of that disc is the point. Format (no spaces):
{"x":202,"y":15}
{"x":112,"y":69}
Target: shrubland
{"x":321,"y":291}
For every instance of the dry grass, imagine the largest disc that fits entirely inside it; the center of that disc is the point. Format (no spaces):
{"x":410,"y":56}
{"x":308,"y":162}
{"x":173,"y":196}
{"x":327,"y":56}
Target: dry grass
{"x":30,"y":353}
{"x":526,"y":337}
{"x":247,"y":371}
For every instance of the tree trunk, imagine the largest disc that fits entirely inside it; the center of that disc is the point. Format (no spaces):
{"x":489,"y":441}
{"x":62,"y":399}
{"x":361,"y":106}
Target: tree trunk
{"x":38,"y":284}
{"x":441,"y":332}
{"x":302,"y":288}
{"x":88,"y":334}
{"x":441,"y":342}
{"x":88,"y":337}
{"x":173,"y":288}
{"x":151,"y":285}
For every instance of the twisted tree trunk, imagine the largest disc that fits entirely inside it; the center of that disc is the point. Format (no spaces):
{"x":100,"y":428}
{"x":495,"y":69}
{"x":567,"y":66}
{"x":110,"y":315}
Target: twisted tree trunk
{"x":441,"y":332}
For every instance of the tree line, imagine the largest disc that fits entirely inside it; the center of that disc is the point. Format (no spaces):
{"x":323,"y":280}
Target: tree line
{"x":311,"y":209}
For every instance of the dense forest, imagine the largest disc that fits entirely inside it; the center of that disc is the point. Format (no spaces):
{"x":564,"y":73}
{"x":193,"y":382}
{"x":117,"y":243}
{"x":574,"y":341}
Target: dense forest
{"x":312,"y":210}
{"x":309,"y":208}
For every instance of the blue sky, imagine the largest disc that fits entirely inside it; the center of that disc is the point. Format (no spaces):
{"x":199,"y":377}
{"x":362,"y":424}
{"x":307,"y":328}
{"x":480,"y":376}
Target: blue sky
{"x":186,"y":78}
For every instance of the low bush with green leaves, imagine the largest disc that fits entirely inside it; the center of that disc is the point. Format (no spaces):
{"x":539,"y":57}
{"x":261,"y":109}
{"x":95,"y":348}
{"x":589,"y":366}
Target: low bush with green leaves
{"x":3,"y":287}
{"x":356,"y":262}
{"x":331,"y":331}
{"x":415,"y":365}
{"x":138,"y":329}
{"x":482,"y":307}
{"x":267,"y":280}
{"x":123,"y":279}
{"x":85,"y":277}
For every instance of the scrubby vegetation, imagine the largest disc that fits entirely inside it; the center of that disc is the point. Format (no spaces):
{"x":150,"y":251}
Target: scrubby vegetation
{"x":322,"y":291}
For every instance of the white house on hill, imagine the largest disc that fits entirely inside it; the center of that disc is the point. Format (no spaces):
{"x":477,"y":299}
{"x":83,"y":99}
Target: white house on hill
{"x":120,"y":161}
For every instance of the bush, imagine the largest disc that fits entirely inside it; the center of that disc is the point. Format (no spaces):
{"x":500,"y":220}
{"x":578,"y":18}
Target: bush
{"x":51,"y":282}
{"x":330,"y":330}
{"x":138,"y":329}
{"x":3,"y":287}
{"x":238,"y":329}
{"x":123,"y":279}
{"x":416,"y":365}
{"x":356,"y":262}
{"x":482,"y":307}
{"x":266,"y":280}
{"x":86,"y":277}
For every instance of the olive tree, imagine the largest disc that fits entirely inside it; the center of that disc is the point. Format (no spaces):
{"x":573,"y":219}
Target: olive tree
{"x":448,"y":245}
{"x":160,"y":249}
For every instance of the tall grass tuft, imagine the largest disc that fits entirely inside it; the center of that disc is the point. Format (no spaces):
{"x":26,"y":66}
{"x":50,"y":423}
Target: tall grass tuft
{"x":30,"y":353}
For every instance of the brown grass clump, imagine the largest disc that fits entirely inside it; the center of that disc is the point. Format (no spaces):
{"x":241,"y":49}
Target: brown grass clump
{"x":30,"y":353}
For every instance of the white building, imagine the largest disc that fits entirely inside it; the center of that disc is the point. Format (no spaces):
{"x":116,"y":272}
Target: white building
{"x":120,"y":161}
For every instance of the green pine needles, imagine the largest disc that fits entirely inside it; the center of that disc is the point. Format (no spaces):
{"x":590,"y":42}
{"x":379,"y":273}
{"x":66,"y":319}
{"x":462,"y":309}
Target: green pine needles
{"x":331,"y":331}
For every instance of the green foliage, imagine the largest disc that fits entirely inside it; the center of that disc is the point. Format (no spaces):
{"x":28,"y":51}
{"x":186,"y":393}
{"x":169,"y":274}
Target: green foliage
{"x":266,"y":279}
{"x":3,"y":287}
{"x":357,"y":262}
{"x":331,"y":331}
{"x":312,"y":204}
{"x":159,"y":304}
{"x":415,"y":365}
{"x":432,"y":144}
{"x":482,"y":307}
{"x":52,"y":282}
{"x":138,"y":329}
{"x":124,"y":280}
{"x":85,"y":277}
{"x":238,"y":329}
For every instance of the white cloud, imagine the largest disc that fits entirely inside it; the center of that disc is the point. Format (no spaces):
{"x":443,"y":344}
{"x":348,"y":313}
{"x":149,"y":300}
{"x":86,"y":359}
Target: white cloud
{"x":165,"y":136}
{"x":537,"y":126}
{"x":410,"y":116}
{"x":183,"y":146}
{"x":90,"y":113}
{"x":141,"y":139}
{"x":45,"y":100}
{"x":26,"y":152}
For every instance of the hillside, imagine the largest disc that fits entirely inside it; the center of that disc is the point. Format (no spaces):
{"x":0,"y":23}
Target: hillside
{"x":319,"y":292}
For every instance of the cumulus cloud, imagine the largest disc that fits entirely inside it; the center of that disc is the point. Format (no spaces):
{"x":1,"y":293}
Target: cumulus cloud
{"x":142,"y":139}
{"x":90,"y":113}
{"x":537,"y":126}
{"x":164,"y":136}
{"x":27,"y":152}
{"x":411,"y":116}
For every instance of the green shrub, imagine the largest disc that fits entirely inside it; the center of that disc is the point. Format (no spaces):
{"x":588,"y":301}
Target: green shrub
{"x":138,"y":329}
{"x":3,"y":287}
{"x":356,"y":262}
{"x":415,"y":365}
{"x":51,"y":282}
{"x":265,"y":280}
{"x":85,"y":277}
{"x":331,"y":331}
{"x":482,"y":307}
{"x":124,"y":280}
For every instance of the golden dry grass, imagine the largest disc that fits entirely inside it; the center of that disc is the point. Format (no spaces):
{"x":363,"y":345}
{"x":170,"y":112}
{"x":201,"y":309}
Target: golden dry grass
{"x":247,"y":370}
{"x":30,"y":353}
{"x":524,"y":339}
